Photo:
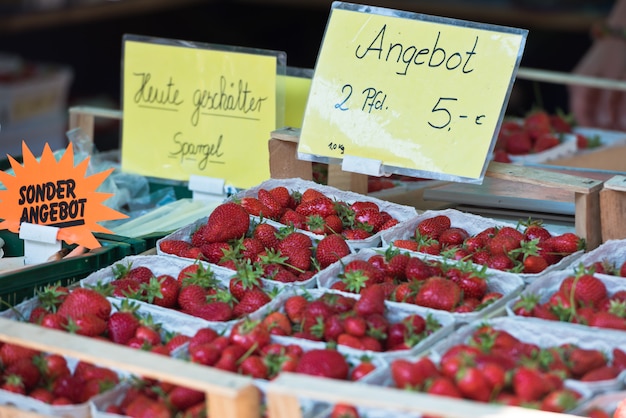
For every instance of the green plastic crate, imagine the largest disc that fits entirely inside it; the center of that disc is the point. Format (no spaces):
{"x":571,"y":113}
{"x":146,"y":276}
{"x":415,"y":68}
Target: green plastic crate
{"x":18,"y":285}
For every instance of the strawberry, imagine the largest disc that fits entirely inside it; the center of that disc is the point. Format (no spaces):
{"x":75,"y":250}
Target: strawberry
{"x":27,"y":371}
{"x":174,"y":246}
{"x":88,"y":325}
{"x":433,"y":227}
{"x":342,"y":410}
{"x":227,"y":221}
{"x":324,"y":363}
{"x":560,"y":123}
{"x":217,"y":311}
{"x":214,"y":252}
{"x":296,"y":246}
{"x":253,"y":206}
{"x":322,"y":205}
{"x":190,"y":296}
{"x":282,"y":195}
{"x":406,"y":244}
{"x":356,"y":233}
{"x":529,"y":384}
{"x":438,"y":293}
{"x":604,"y":319}
{"x":537,"y":122}
{"x":275,"y":208}
{"x":581,"y":360}
{"x":443,"y":386}
{"x":606,"y":372}
{"x":560,"y":400}
{"x":518,"y":143}
{"x":453,"y":236}
{"x":266,"y":233}
{"x":534,"y":264}
{"x":566,"y":243}
{"x":502,"y":244}
{"x":330,"y":249}
{"x":13,"y":383}
{"x":597,"y":412}
{"x":163,"y":291}
{"x":250,"y":334}
{"x":251,"y":301}
{"x":545,"y":141}
{"x":181,"y":397}
{"x":293,"y":218}
{"x":417,"y":269}
{"x":248,"y":277}
{"x":588,"y":289}
{"x":371,"y":301}
{"x":82,"y":301}
{"x":473,"y":286}
{"x":536,"y":230}
{"x":294,"y":308}
{"x":473,"y":384}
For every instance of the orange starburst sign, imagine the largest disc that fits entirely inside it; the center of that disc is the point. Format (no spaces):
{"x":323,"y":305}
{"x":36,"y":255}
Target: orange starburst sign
{"x":59,"y":194}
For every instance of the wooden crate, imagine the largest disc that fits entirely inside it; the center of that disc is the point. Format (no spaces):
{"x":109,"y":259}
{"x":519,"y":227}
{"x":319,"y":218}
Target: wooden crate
{"x":227,"y":394}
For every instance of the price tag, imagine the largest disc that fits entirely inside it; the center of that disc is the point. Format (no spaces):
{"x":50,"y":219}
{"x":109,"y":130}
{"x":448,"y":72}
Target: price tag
{"x":192,"y":109}
{"x":55,"y":194}
{"x":424,"y":95}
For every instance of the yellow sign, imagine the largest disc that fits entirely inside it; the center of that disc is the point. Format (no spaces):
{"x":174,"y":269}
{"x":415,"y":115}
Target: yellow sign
{"x":297,"y":88}
{"x":47,"y":192}
{"x":198,"y":111}
{"x":409,"y":91}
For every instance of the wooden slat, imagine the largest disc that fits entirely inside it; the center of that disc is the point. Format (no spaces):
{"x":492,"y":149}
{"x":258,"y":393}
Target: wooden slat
{"x":544,"y":178}
{"x":228,"y":394}
{"x":7,"y":411}
{"x":282,"y":395}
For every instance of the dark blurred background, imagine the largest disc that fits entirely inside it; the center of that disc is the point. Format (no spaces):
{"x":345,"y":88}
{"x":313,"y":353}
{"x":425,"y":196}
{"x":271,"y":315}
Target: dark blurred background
{"x":86,"y":35}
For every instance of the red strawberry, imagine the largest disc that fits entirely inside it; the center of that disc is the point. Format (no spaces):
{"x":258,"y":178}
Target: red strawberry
{"x":534,"y":264}
{"x":282,"y":196}
{"x":606,"y":372}
{"x":254,"y":206}
{"x":266,"y":233}
{"x":251,"y":301}
{"x":324,"y":363}
{"x":545,"y":141}
{"x":356,"y":234}
{"x":433,"y":227}
{"x":589,"y":290}
{"x":227,"y":221}
{"x":323,"y":206}
{"x":82,"y":301}
{"x":537,"y":122}
{"x":529,"y":384}
{"x":88,"y":325}
{"x":473,"y":384}
{"x":330,"y":249}
{"x":295,"y":307}
{"x":341,"y":410}
{"x":581,"y":360}
{"x":567,"y":243}
{"x":274,"y":207}
{"x":163,"y":291}
{"x":518,"y":143}
{"x":297,"y":248}
{"x":190,"y":296}
{"x":560,"y":400}
{"x":174,"y":246}
{"x":293,"y":218}
{"x":604,"y":319}
{"x":371,"y":301}
{"x":250,"y":334}
{"x":407,"y":244}
{"x":254,"y":366}
{"x":181,"y":397}
{"x":439,"y":293}
{"x":217,"y":311}
{"x":453,"y":236}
